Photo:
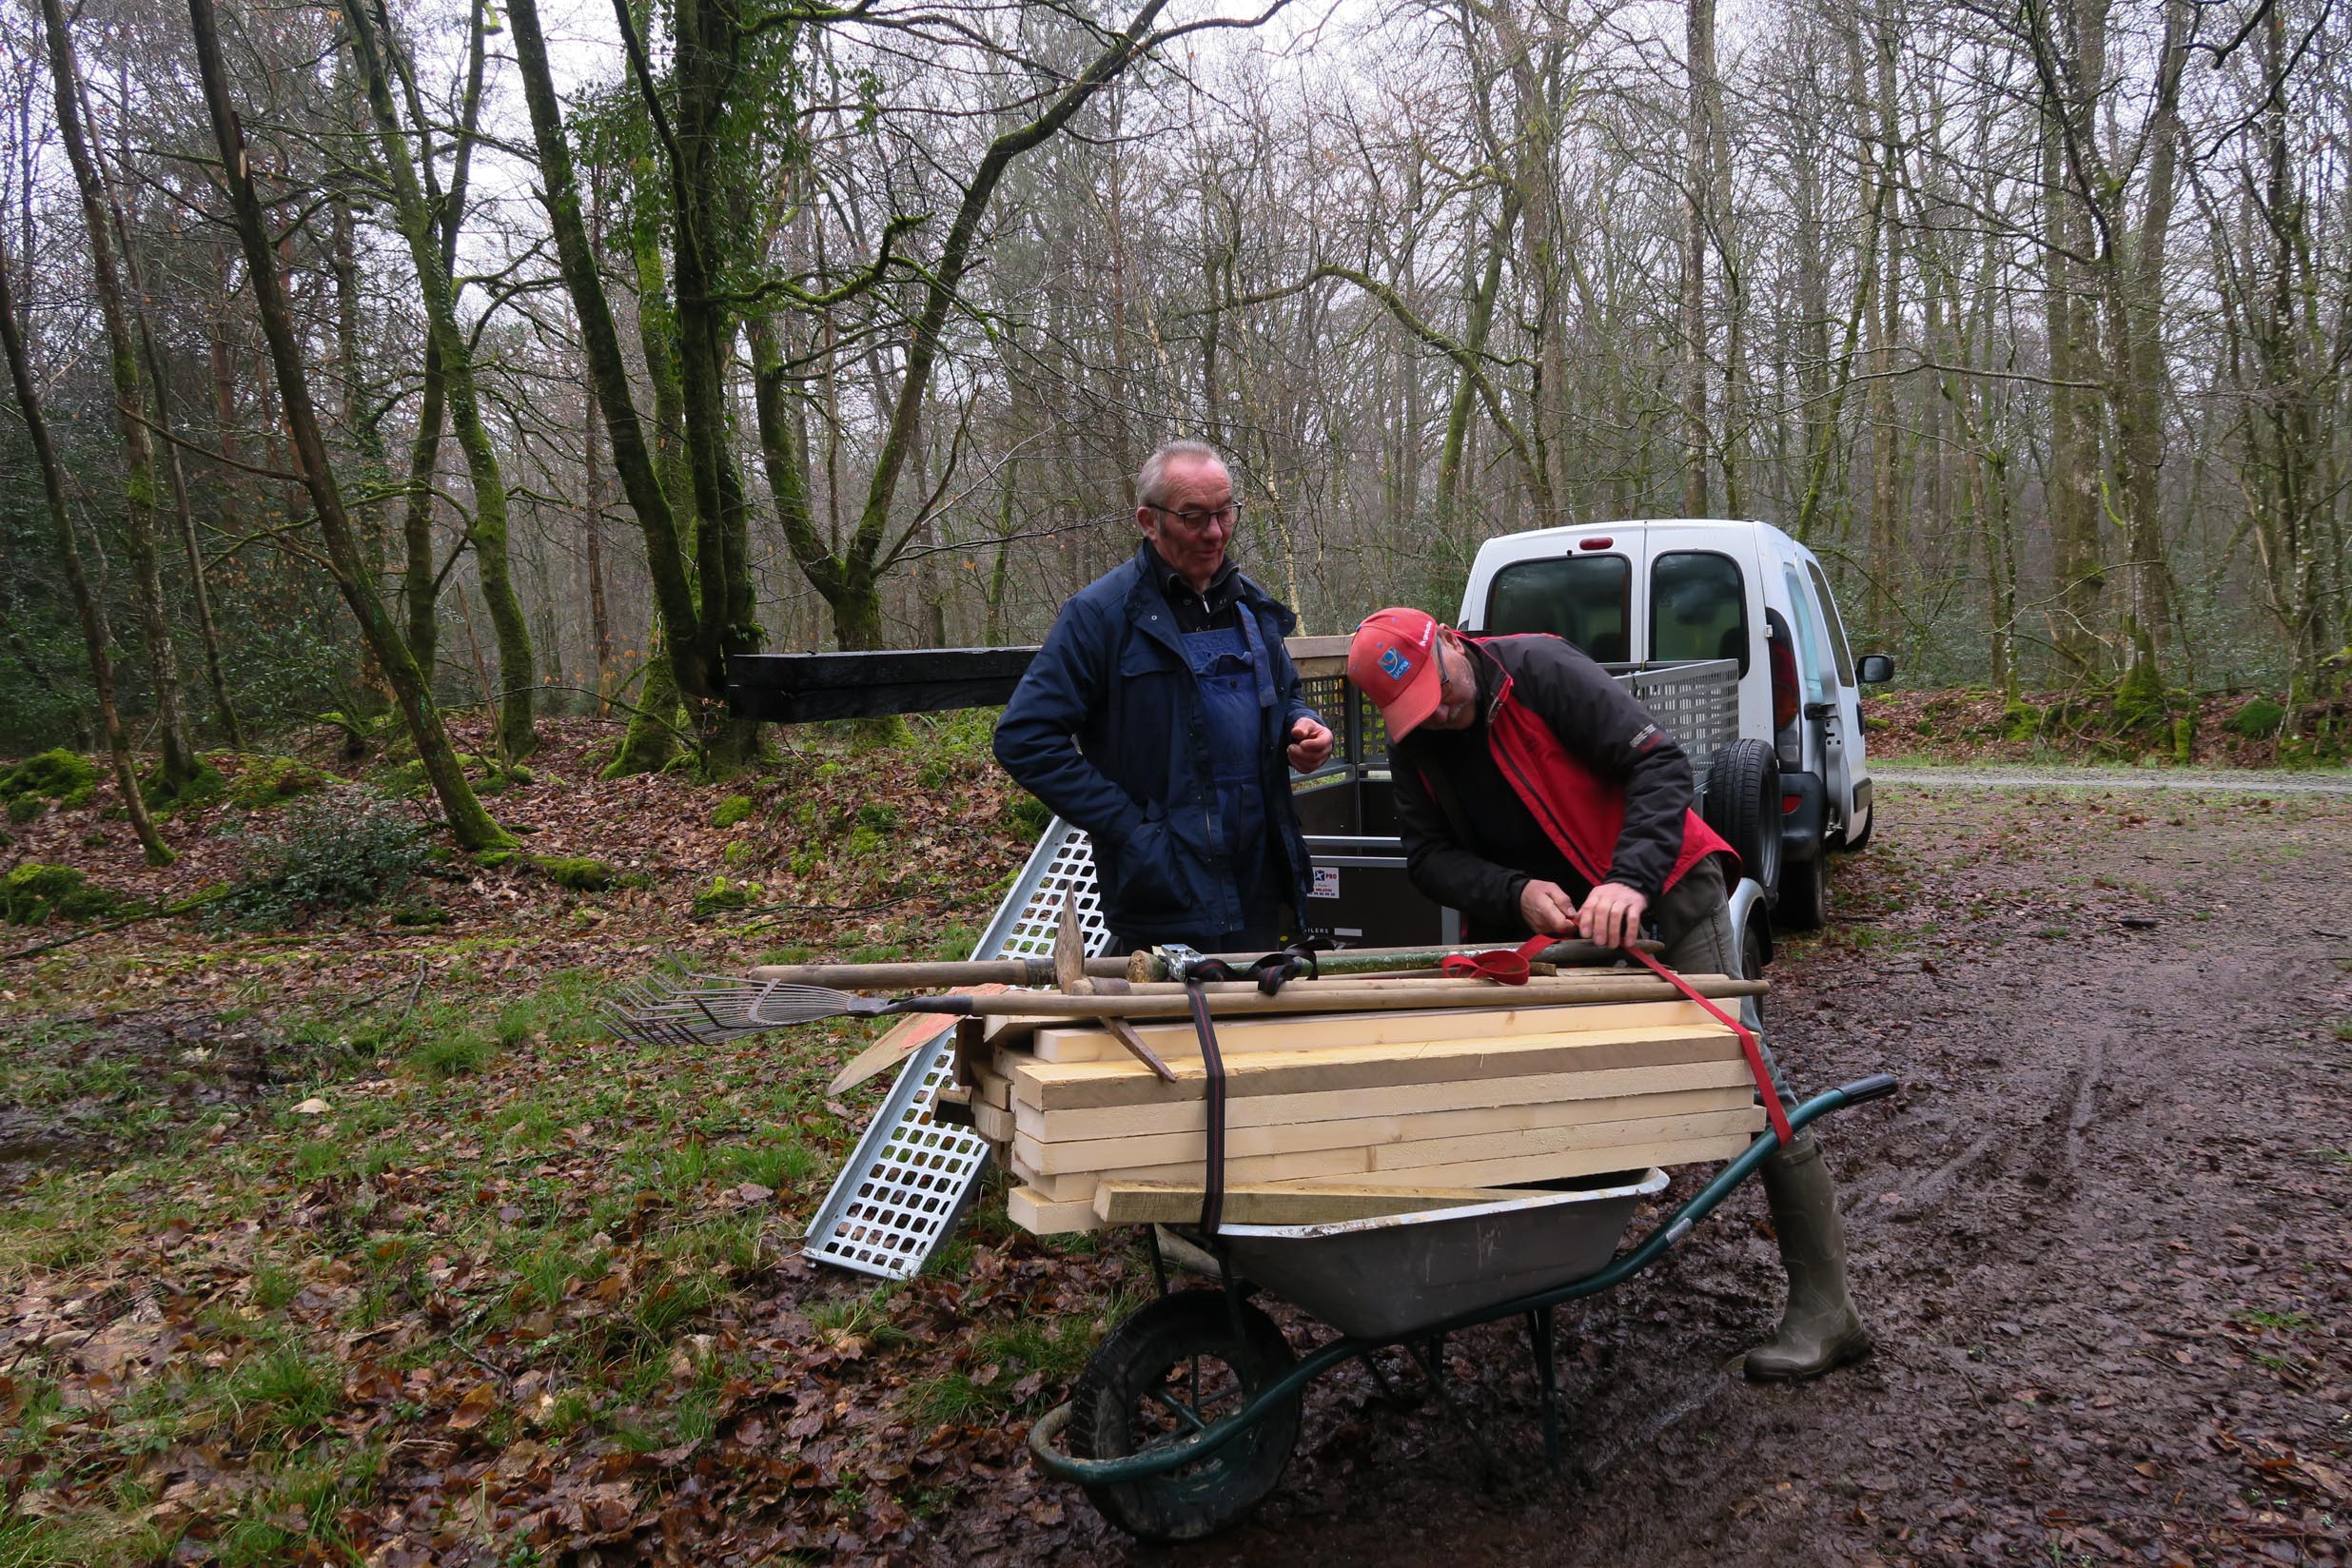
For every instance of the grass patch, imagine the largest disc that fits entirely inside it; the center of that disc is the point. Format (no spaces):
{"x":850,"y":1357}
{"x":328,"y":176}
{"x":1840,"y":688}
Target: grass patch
{"x":285,"y":1391}
{"x":453,"y":1054}
{"x":775,"y":1167}
{"x":865,"y":1316}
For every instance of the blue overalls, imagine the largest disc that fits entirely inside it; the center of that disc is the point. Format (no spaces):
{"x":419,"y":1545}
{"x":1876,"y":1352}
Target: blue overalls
{"x":1236,"y":681}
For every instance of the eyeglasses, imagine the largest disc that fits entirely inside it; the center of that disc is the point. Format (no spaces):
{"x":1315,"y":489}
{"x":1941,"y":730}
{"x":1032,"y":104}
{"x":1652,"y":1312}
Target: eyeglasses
{"x":1230,"y":515}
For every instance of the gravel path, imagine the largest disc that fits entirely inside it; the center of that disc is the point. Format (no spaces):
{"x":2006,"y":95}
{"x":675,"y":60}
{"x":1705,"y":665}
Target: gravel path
{"x":2232,"y":781}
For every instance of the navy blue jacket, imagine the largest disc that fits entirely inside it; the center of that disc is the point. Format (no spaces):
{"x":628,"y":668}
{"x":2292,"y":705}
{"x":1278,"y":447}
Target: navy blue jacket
{"x":1112,"y":677}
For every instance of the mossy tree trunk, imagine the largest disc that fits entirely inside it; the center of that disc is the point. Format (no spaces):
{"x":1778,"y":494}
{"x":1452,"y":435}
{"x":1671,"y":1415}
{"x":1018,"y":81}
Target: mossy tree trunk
{"x":470,"y":825}
{"x":517,"y":736}
{"x":140,"y":489}
{"x":86,"y":602}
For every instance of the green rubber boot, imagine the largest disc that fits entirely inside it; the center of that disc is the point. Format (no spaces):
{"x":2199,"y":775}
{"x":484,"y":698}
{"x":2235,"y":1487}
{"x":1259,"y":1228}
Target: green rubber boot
{"x":1819,"y":1330}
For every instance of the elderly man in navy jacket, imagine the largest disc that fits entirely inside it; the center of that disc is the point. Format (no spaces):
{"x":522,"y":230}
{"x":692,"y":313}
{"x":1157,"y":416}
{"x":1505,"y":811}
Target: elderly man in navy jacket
{"x":1159,"y":716}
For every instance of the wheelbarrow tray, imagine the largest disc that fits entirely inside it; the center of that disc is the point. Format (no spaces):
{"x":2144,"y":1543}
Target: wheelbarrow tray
{"x":1388,"y":1277}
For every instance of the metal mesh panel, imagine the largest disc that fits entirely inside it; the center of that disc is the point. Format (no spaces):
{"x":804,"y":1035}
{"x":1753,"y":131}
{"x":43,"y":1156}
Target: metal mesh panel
{"x":910,"y":1176}
{"x":1697,"y":704}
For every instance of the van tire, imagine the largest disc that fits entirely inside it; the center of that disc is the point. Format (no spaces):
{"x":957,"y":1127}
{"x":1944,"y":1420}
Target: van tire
{"x":1743,"y":805}
{"x":1803,"y":892}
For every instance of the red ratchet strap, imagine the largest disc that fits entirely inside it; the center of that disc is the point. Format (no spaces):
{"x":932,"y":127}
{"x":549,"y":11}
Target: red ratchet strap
{"x":1504,"y":966}
{"x":1747,"y":1042}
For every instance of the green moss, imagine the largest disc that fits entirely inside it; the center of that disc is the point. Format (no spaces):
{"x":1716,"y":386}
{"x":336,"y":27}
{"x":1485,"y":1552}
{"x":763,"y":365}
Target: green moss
{"x":2259,"y":719}
{"x":723,"y":895}
{"x":735,"y":809}
{"x":33,"y":891}
{"x":54,"y":773}
{"x":266,"y":781}
{"x":406,"y":778}
{"x":491,"y":860}
{"x":2020,"y":722}
{"x":202,"y":788}
{"x":1028,"y":814}
{"x":738,"y":854}
{"x":2140,"y":706}
{"x":488,"y":774}
{"x":27,"y":807}
{"x":579,"y":872}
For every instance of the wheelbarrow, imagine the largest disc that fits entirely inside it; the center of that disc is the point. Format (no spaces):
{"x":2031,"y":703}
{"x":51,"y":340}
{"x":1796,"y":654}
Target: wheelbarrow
{"x":1188,"y":1412}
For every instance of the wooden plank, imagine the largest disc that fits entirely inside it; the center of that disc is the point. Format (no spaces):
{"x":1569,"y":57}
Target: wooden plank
{"x":951,"y":1105}
{"x":1172,"y":1203}
{"x":1078,"y":1085}
{"x":1314,"y":1031}
{"x":1743,"y":1123}
{"x":1018,"y":1032}
{"x":1252,"y":1144}
{"x":1556,"y":1164}
{"x":1329,"y":1164}
{"x":901,"y":1042}
{"x":1373,"y":1116}
{"x":1065,"y":1188}
{"x":991,"y":1088}
{"x":1325,"y":1167}
{"x":992,"y":1124}
{"x":1042,"y":1216}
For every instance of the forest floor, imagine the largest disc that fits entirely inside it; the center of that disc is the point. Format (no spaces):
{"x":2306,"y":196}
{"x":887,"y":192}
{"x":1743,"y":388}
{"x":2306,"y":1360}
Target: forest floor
{"x":365,"y":1242}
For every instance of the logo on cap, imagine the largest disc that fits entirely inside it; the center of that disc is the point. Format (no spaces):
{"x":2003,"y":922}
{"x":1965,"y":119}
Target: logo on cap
{"x":1394,"y":664}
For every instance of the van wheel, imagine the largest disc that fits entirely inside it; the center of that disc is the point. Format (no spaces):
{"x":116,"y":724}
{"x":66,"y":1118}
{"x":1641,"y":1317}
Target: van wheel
{"x":1805,"y":892}
{"x":1743,"y":804}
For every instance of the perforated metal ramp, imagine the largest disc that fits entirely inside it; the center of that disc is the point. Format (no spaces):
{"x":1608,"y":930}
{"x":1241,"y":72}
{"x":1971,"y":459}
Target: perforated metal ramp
{"x":910,"y":1177}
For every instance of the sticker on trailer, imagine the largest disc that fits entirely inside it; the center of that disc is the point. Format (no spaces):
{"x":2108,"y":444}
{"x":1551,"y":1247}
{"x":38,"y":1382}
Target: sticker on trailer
{"x":1327,"y":883}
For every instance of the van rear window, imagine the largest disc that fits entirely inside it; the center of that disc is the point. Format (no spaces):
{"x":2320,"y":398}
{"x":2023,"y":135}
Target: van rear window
{"x":1698,"y":608}
{"x":1586,"y":599}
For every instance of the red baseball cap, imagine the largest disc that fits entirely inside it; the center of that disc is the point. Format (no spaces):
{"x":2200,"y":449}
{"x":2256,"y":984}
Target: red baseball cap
{"x":1394,"y":661}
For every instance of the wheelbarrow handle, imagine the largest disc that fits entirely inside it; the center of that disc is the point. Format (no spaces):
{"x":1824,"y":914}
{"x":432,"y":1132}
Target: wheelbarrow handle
{"x":1161,"y":1458}
{"x":1876,"y":1087}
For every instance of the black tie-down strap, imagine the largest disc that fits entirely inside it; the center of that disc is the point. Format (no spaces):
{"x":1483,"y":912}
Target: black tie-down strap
{"x":1212,"y":1182}
{"x":1269,"y":972}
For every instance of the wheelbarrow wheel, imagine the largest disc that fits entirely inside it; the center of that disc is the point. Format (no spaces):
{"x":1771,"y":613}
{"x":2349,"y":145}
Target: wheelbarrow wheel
{"x":1176,"y":1367}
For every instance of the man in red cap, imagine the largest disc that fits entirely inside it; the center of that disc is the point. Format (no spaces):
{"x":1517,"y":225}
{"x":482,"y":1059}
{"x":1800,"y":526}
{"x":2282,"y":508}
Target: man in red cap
{"x":1535,"y":794}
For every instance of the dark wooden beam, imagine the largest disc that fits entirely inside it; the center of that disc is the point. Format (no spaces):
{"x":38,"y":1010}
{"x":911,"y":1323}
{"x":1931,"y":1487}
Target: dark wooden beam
{"x":804,"y":688}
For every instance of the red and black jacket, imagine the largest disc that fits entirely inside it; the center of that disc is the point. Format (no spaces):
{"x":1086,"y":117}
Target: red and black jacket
{"x":1565,"y":777}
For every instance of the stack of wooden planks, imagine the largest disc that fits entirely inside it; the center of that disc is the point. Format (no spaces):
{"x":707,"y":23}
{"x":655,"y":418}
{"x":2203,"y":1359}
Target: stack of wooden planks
{"x":1349,"y":1116}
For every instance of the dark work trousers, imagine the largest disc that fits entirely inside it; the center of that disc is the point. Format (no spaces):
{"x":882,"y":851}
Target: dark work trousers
{"x":1693,"y":919}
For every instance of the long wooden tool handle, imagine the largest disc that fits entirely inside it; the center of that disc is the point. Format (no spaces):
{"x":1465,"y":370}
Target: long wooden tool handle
{"x":1039,"y":970}
{"x":1246,"y":1001}
{"x":1442,"y":989}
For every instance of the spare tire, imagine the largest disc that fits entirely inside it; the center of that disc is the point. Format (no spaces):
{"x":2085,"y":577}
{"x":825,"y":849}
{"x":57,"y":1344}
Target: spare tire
{"x":1743,"y":804}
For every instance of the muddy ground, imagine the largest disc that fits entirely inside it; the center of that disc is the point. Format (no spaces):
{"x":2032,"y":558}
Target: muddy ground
{"x":2103,"y":1238}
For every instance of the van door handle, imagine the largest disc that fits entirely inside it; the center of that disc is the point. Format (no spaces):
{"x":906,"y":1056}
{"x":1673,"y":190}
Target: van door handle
{"x":1820,"y":710}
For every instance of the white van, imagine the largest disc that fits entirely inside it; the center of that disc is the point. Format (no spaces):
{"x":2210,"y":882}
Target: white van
{"x":1637,"y":596}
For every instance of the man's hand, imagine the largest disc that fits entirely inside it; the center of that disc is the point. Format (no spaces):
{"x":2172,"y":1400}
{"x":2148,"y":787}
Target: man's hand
{"x":1547,"y":907}
{"x":1310,"y":743}
{"x":1612,"y":916}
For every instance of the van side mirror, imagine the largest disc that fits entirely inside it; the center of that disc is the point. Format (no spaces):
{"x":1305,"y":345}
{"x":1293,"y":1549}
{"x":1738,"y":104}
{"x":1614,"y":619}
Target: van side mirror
{"x":1876,"y":669}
